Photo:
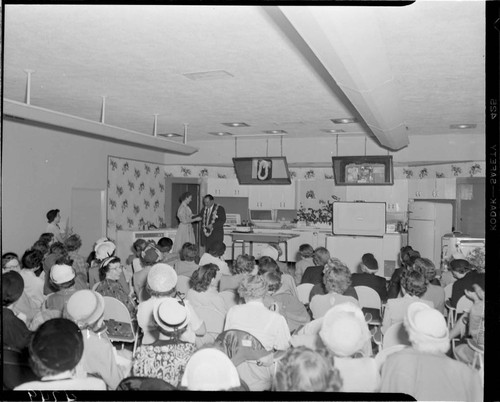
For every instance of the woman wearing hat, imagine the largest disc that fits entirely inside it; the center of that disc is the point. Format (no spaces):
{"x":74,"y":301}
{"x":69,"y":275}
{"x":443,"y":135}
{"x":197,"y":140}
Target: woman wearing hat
{"x":62,"y":278}
{"x":86,"y":309}
{"x":167,"y":357}
{"x":55,"y":351}
{"x":149,"y":257}
{"x":110,"y":285}
{"x":424,"y":371}
{"x":161,"y":282}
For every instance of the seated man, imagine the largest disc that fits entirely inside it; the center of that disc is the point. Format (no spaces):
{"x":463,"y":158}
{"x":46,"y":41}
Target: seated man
{"x":314,"y":274}
{"x":369,"y":267}
{"x":214,"y":255}
{"x":466,"y":278}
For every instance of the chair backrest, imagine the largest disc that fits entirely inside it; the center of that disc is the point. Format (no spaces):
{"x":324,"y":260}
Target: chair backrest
{"x":214,"y":319}
{"x":183,"y":284}
{"x":144,"y":384}
{"x":464,"y":304}
{"x":395,"y":335}
{"x":303,"y":291}
{"x":114,"y":309}
{"x":368,"y":297}
{"x":240,"y":345}
{"x":447,"y":291}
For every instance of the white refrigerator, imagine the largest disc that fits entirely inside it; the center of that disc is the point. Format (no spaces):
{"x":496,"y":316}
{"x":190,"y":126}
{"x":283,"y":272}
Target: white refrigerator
{"x":428,"y":223}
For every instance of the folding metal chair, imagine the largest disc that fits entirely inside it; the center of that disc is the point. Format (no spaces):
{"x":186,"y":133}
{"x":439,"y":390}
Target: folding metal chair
{"x":119,"y":323}
{"x":369,"y":301}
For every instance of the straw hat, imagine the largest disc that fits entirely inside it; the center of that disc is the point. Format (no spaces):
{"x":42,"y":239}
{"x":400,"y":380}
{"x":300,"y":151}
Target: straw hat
{"x":104,"y":250}
{"x":85,"y":307}
{"x":162,"y":278}
{"x":170,"y":315}
{"x":210,"y":370}
{"x":62,"y":273}
{"x":271,"y":252}
{"x":426,"y":327}
{"x":344,"y":330}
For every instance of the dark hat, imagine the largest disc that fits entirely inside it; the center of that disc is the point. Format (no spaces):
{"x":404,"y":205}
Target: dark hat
{"x":151,"y":255}
{"x":370,"y":262}
{"x":12,"y":287}
{"x":460,"y":265}
{"x":57,"y":344}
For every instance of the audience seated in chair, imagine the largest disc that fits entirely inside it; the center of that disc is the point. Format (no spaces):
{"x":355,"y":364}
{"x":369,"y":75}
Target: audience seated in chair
{"x":368,"y":277}
{"x":55,"y":351}
{"x":407,"y":257}
{"x":466,"y":277}
{"x":86,"y":309}
{"x":434,"y":292}
{"x":337,"y":279}
{"x":413,"y":286}
{"x":166,"y":358}
{"x":62,"y":279}
{"x":188,"y":260}
{"x":161,"y":282}
{"x":243,"y":266}
{"x":304,"y":370}
{"x":73,"y":244}
{"x":424,"y":371}
{"x":215,"y":255}
{"x":33,"y":285}
{"x":314,"y":274}
{"x":306,"y":253}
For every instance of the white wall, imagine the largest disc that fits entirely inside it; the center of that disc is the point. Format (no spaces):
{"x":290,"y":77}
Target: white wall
{"x":40,"y":166}
{"x":320,"y":150}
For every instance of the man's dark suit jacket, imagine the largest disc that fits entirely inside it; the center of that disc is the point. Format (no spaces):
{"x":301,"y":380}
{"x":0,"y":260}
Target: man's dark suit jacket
{"x":373,"y":281}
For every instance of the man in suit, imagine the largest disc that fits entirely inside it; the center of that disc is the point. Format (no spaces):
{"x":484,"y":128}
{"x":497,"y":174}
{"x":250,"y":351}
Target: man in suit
{"x":369,"y":267}
{"x":213,"y":217}
{"x":466,"y":277}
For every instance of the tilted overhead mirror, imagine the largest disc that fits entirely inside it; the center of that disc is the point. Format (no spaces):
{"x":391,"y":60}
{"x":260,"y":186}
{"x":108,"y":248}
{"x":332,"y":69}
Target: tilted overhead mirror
{"x":363,"y":170}
{"x":262,"y":170}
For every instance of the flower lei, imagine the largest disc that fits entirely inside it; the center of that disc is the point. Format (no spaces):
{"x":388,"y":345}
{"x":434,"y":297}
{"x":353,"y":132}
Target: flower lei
{"x":207,"y":231}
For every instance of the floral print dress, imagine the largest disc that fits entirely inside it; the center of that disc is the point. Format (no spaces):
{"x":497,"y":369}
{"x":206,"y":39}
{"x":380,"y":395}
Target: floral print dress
{"x":163,"y":359}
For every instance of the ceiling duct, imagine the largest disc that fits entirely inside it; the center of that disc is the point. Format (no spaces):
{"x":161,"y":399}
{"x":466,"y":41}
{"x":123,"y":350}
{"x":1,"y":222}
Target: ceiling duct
{"x":347,"y":41}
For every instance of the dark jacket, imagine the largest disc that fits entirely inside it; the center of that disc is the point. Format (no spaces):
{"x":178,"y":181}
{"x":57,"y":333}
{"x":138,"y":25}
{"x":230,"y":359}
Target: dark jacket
{"x":460,"y":285}
{"x":313,"y":275}
{"x":373,"y":281}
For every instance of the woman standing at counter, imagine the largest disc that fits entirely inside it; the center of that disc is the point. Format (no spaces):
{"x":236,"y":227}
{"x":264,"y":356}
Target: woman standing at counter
{"x":185,"y":232}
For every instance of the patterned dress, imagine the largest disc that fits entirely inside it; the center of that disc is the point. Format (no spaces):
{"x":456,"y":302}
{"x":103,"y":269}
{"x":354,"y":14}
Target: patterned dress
{"x":163,"y":359}
{"x":185,"y":232}
{"x":115,"y":289}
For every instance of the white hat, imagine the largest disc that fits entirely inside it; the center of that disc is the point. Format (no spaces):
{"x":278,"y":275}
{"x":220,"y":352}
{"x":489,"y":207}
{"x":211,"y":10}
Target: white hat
{"x":61,"y":273}
{"x":162,"y":277}
{"x":210,"y":370}
{"x":170,"y":315}
{"x":104,"y":250}
{"x":344,"y":330}
{"x":271,"y":252}
{"x":85,"y":307}
{"x":426,"y":325}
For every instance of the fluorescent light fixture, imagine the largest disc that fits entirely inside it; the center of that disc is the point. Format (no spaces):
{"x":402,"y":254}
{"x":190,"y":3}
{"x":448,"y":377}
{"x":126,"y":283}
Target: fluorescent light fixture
{"x":169,"y":135}
{"x":333,"y":131}
{"x":236,"y":124}
{"x":220,"y":133}
{"x":208,"y":75}
{"x":463,"y":126}
{"x":345,"y":120}
{"x":274,"y":131}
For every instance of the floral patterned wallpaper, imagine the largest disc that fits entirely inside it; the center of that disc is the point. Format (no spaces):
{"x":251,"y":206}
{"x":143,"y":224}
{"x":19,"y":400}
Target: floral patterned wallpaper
{"x":136,"y":194}
{"x":466,"y":169}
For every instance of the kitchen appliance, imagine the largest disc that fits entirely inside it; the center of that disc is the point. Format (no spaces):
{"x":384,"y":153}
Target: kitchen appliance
{"x":428,"y":223}
{"x":358,"y":228}
{"x":458,"y":242}
{"x":359,"y":218}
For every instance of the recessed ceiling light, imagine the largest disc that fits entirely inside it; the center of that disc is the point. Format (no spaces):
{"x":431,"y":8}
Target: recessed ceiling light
{"x":333,"y":131}
{"x":345,"y":120}
{"x":208,"y":75}
{"x":220,"y":133}
{"x":169,"y":135}
{"x":236,"y":124}
{"x":274,"y":131}
{"x":463,"y":126}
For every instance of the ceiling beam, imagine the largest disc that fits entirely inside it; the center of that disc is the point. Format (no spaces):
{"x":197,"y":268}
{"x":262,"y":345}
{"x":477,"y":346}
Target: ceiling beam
{"x":347,"y":41}
{"x":89,"y":128}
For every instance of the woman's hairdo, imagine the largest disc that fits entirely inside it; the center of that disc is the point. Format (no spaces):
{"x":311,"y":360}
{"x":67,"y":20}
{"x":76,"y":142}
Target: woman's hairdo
{"x":244,"y":264}
{"x":413,"y":282}
{"x":336,"y":276}
{"x":252,"y":287}
{"x":202,"y":277}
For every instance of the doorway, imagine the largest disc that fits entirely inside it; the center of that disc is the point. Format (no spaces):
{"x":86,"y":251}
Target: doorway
{"x":177,"y":190}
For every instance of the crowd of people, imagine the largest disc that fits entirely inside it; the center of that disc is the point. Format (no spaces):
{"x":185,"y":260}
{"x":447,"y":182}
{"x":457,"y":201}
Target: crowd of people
{"x":208,"y":324}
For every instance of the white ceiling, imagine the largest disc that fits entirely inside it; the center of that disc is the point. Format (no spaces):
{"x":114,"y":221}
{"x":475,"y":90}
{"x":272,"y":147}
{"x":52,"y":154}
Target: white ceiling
{"x":137,"y":56}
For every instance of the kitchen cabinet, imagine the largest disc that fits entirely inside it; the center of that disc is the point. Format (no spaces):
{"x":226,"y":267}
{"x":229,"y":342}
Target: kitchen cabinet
{"x":395,"y":196}
{"x":442,"y":189}
{"x":309,"y":192}
{"x":226,"y":188}
{"x":272,"y":197}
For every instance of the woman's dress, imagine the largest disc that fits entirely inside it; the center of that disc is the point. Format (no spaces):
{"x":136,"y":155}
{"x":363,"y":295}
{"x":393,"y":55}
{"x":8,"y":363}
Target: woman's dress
{"x":185,"y":232}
